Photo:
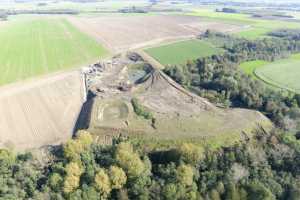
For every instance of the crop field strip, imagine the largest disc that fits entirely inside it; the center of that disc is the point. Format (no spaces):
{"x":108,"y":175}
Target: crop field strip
{"x":251,"y":66}
{"x":34,"y":46}
{"x":256,"y":27}
{"x":91,"y":6}
{"x":282,"y":74}
{"x":180,"y":52}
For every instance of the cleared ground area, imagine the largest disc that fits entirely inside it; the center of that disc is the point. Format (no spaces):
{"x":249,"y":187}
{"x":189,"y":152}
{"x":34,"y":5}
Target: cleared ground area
{"x":120,"y":33}
{"x":181,"y":52}
{"x":40,"y":112}
{"x":33,"y":46}
{"x":177,"y":114}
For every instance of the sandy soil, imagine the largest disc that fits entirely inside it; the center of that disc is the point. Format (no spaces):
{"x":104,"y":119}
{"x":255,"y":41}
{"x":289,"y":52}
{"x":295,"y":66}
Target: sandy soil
{"x":41,"y":111}
{"x":179,"y":114}
{"x":123,"y":33}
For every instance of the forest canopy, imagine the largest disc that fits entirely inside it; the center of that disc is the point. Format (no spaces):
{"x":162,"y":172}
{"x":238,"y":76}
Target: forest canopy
{"x":265,"y":167}
{"x":219,"y":78}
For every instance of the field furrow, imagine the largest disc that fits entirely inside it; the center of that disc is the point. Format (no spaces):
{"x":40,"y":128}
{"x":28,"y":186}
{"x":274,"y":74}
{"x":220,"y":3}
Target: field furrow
{"x":36,"y":46}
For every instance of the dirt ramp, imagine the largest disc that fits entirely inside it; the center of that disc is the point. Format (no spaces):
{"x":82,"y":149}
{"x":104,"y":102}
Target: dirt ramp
{"x":40,"y":112}
{"x":161,"y":93}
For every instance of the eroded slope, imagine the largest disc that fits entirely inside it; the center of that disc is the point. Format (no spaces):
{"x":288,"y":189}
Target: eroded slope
{"x":176,"y":114}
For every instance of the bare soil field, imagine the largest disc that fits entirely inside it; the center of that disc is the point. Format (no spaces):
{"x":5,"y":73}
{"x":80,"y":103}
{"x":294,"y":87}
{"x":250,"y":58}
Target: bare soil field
{"x":41,"y":111}
{"x":124,"y":33}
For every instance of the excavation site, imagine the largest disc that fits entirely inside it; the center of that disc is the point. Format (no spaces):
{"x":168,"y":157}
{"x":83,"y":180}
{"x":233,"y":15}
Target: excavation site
{"x":130,"y":97}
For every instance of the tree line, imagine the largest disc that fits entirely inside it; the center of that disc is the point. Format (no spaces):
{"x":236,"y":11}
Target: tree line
{"x":219,"y":79}
{"x":264,"y":168}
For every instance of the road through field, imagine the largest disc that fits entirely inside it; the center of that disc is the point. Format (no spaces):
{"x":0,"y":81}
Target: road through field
{"x":41,"y":111}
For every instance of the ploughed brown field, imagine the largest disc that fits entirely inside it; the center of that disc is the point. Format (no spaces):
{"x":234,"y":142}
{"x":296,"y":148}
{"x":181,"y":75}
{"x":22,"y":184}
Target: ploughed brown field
{"x":121,"y":33}
{"x":41,"y":111}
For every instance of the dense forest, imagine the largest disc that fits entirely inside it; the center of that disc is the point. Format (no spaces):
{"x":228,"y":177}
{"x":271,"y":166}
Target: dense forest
{"x":264,"y":167}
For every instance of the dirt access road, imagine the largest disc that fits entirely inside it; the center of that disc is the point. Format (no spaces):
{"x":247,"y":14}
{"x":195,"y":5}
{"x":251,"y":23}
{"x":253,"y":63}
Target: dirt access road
{"x":41,"y":111}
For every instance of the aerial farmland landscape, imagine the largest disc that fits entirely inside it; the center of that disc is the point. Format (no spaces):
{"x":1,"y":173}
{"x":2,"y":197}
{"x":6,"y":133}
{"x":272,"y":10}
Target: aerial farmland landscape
{"x":150,"y":99}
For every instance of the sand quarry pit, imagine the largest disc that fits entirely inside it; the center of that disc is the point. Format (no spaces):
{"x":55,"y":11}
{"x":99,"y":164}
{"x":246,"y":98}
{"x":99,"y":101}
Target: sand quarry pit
{"x":121,"y":33}
{"x":48,"y":110}
{"x":179,"y":114}
{"x":40,"y":112}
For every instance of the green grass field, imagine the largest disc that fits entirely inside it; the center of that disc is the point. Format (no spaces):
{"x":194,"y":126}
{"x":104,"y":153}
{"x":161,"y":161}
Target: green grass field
{"x":251,"y":66}
{"x":234,"y":18}
{"x":180,"y":52}
{"x":33,"y":46}
{"x":283,"y":74}
{"x":257,"y":27}
{"x":85,"y":7}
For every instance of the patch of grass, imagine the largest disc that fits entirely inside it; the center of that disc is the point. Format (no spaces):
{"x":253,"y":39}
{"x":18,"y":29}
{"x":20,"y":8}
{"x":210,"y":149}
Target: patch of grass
{"x":140,"y":110}
{"x":34,"y":46}
{"x":235,"y":18}
{"x":207,"y":128}
{"x":180,"y":52}
{"x":85,"y":7}
{"x":254,"y":32}
{"x":281,"y":74}
{"x":251,"y":66}
{"x":284,"y":74}
{"x":262,"y":27}
{"x":295,"y":56}
{"x":213,"y":142}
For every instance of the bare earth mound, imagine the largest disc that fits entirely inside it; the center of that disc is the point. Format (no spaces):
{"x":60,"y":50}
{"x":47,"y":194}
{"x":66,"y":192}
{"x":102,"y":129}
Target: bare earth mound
{"x":41,"y":111}
{"x":182,"y":114}
{"x":164,"y":95}
{"x":178,"y":113}
{"x":119,"y":33}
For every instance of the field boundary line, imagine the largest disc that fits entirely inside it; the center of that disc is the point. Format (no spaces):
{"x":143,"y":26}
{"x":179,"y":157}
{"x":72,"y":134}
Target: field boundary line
{"x":100,"y":41}
{"x":176,"y":40}
{"x":152,"y":61}
{"x":272,"y":82}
